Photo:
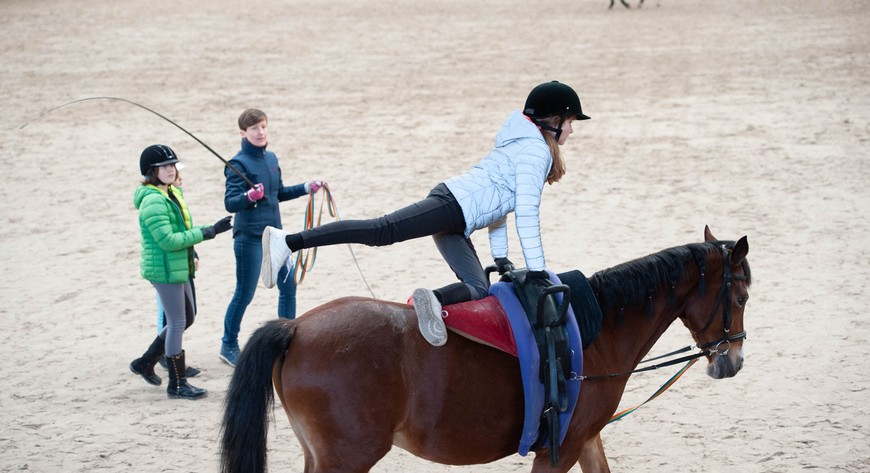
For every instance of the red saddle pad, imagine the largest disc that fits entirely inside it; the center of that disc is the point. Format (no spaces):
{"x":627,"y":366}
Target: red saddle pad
{"x":483,"y":321}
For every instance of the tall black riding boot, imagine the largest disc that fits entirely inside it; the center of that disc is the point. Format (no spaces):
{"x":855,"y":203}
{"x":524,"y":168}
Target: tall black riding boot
{"x":189,"y":372}
{"x":144,"y":366}
{"x":178,"y":387}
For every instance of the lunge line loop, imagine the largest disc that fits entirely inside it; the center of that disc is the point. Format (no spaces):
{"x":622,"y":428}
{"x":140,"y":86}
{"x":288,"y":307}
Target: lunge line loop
{"x":306,"y":258}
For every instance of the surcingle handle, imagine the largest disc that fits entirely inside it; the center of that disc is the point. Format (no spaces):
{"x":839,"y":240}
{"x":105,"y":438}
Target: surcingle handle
{"x":561,"y":309}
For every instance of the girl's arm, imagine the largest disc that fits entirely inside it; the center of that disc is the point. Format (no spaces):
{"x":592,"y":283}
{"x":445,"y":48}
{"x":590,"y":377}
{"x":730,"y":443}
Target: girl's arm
{"x":531,"y":173}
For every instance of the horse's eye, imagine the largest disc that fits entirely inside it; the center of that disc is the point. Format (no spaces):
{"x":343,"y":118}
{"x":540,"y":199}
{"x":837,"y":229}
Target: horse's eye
{"x":742,"y":301}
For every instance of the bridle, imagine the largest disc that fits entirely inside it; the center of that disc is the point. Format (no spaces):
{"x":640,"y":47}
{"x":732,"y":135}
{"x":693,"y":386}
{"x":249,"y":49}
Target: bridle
{"x":712,"y":348}
{"x":724,"y":299}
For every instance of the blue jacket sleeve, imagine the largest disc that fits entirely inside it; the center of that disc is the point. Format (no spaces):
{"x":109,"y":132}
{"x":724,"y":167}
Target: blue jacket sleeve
{"x":234,"y":195}
{"x":291,"y":192}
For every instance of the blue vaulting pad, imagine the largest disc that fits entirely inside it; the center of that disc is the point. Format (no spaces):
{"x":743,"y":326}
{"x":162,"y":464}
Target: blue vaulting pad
{"x":529,"y":359}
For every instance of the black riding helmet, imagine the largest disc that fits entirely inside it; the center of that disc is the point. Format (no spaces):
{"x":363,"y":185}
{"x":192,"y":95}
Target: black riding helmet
{"x":155,"y":156}
{"x":553,"y":99}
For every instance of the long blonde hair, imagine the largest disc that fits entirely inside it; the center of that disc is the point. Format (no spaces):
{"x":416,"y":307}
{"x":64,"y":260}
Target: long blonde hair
{"x":557,"y":170}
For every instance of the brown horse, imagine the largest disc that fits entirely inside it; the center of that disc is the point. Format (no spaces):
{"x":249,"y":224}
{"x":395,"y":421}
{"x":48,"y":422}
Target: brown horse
{"x":355,"y":377}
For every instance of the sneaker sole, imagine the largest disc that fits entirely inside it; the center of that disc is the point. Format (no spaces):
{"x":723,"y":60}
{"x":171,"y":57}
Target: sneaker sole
{"x":226,"y":360}
{"x":431,"y":325}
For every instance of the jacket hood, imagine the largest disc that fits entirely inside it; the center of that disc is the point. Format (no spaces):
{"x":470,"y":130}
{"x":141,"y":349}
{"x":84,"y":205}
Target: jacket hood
{"x":516,"y":127}
{"x":141,"y":192}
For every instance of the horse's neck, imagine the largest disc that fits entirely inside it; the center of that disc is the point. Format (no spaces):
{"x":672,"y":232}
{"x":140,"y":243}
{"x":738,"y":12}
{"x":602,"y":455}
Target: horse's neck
{"x":623,"y":345}
{"x":627,"y":334}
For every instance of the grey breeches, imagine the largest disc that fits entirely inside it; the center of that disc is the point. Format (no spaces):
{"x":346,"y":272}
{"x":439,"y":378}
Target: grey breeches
{"x":179,"y":304}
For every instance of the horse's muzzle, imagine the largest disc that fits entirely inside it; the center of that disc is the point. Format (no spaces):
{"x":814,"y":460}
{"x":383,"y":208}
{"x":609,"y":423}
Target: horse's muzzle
{"x":726,"y":365}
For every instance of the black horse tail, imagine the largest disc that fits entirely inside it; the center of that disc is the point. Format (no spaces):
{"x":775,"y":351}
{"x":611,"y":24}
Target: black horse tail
{"x":250,"y":399}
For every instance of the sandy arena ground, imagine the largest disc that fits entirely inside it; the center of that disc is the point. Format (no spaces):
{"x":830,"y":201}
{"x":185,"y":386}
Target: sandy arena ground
{"x":752,"y":117}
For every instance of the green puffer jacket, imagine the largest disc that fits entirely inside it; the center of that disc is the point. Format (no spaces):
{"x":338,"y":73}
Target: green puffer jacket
{"x":168,"y":235}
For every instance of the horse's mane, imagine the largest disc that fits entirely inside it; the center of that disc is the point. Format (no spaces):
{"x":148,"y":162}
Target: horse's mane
{"x":636,"y":282}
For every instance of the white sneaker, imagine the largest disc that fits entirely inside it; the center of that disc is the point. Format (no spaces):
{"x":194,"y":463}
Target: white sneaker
{"x":275,"y":255}
{"x":429,"y":317}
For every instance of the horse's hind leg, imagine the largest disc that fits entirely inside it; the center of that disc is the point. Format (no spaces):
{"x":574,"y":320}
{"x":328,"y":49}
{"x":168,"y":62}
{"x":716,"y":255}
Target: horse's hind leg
{"x":592,"y":458}
{"x":340,"y":441}
{"x":624,"y":3}
{"x":341,"y":455}
{"x":336,"y":433}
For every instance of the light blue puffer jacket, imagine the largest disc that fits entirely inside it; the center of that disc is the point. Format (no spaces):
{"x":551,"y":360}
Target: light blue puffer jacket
{"x":509,"y":179}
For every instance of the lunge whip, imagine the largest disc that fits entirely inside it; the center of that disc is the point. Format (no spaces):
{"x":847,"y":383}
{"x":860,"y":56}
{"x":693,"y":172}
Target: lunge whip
{"x":226,"y":163}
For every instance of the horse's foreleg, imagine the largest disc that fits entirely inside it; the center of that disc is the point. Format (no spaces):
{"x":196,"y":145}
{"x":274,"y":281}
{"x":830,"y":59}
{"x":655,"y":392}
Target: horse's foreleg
{"x":624,"y":3}
{"x":592,"y":459}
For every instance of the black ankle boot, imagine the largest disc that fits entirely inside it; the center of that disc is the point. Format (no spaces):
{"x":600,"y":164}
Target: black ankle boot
{"x":144,"y":366}
{"x":178,"y":387}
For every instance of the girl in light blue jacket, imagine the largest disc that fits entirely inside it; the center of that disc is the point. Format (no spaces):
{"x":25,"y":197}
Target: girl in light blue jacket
{"x":509,"y":179}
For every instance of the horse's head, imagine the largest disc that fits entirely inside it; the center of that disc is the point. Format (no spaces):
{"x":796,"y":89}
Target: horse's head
{"x":714,"y":314}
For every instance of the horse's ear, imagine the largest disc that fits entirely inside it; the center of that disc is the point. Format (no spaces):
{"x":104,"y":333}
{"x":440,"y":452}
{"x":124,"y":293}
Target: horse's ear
{"x":741,"y":248}
{"x":707,"y":235}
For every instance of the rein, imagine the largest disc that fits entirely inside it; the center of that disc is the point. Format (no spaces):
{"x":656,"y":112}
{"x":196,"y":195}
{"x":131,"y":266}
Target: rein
{"x":674,"y":378}
{"x":307,"y":257}
{"x":690,"y":358}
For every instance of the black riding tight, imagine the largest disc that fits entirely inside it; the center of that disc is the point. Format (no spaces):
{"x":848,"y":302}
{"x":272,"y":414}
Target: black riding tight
{"x":438,"y":215}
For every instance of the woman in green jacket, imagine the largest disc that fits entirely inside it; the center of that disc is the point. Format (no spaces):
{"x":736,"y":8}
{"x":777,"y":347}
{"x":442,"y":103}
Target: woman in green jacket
{"x":167,"y":261}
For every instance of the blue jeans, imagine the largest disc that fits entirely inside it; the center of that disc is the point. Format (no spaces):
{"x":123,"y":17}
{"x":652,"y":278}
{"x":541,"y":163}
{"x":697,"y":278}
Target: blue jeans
{"x":249,"y":257}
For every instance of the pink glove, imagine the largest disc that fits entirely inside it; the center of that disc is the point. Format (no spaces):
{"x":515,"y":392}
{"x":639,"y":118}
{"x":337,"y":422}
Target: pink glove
{"x":255,"y":193}
{"x":313,"y":186}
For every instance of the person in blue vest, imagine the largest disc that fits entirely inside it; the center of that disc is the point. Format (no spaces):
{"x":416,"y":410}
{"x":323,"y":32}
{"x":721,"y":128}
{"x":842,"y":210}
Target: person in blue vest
{"x":255,"y":209}
{"x":510,"y":179}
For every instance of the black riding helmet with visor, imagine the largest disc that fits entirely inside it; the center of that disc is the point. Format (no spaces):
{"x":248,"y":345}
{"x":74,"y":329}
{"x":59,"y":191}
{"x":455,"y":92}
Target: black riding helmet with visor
{"x":552,"y":99}
{"x":155,"y":156}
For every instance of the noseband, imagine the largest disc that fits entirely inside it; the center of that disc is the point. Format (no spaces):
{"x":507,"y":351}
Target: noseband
{"x":724,"y":298}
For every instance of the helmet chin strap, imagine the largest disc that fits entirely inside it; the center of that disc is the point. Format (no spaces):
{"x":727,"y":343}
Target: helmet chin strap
{"x":557,"y":131}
